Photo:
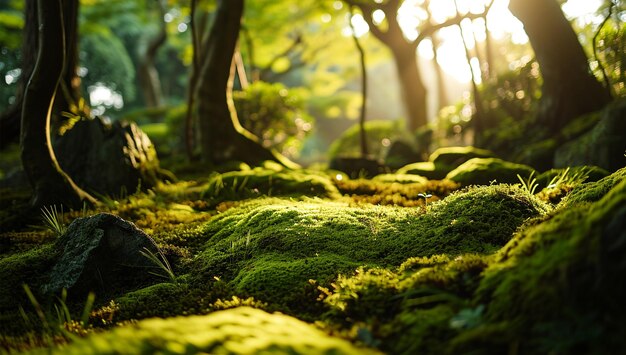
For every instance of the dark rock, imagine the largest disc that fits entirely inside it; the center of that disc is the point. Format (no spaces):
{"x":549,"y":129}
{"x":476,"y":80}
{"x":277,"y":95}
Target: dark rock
{"x":603,"y":146}
{"x":101,"y":253}
{"x":110,"y":159}
{"x":358,"y":167}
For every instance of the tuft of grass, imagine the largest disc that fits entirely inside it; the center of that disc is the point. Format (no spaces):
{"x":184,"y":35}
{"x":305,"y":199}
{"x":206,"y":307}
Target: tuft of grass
{"x":53,"y":220}
{"x":529,"y":185}
{"x":160,"y":261}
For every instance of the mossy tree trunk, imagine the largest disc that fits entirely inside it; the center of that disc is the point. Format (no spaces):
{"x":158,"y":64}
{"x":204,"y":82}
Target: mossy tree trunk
{"x":222,"y":138}
{"x":50,"y":184}
{"x":569,"y":88}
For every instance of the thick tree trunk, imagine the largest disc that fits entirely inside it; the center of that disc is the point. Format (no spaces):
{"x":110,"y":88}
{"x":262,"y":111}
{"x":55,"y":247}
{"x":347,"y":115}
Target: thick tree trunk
{"x":147,"y":73}
{"x":221,"y":136}
{"x":411,"y":85}
{"x":11,"y":118}
{"x":569,"y":88}
{"x":50,"y":184}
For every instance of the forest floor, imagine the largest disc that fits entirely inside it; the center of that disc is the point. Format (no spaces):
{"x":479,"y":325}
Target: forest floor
{"x":271,"y":260}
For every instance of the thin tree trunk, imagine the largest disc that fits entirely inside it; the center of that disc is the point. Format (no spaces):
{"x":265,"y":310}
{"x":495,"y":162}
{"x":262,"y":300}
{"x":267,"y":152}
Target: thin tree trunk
{"x":147,"y":72}
{"x":442,"y":94}
{"x":69,"y":97}
{"x":569,"y":88}
{"x":362,"y":133}
{"x":50,"y":184}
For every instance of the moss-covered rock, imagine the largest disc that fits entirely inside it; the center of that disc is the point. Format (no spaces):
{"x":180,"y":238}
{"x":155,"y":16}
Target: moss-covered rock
{"x":240,"y":330}
{"x":455,"y":156}
{"x":558,"y":285}
{"x":483,"y":171}
{"x":426,"y":169}
{"x":260,"y":181}
{"x":578,"y":173}
{"x":593,"y":191}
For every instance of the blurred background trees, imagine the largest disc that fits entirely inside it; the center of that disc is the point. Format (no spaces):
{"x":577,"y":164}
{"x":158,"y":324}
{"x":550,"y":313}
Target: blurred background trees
{"x":297,"y":83}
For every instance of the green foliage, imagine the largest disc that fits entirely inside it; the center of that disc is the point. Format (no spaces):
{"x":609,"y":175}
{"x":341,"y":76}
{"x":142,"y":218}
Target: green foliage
{"x":379,"y":135}
{"x":611,"y":46}
{"x":275,"y":114}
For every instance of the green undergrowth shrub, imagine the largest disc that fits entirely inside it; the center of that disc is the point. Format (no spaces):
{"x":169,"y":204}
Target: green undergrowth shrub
{"x":241,"y":330}
{"x":381,"y":192}
{"x":557,"y":287}
{"x":269,"y":249}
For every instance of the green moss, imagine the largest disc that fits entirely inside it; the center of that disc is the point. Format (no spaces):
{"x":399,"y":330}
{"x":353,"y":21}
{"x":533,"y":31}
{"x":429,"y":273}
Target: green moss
{"x":394,"y":193}
{"x":455,"y":156}
{"x":479,"y":171}
{"x":559,"y":284}
{"x":269,"y":249}
{"x":427,"y":169}
{"x":240,"y":330}
{"x":400,"y":178}
{"x":592,"y":173}
{"x":594,"y":191}
{"x":237,"y":185}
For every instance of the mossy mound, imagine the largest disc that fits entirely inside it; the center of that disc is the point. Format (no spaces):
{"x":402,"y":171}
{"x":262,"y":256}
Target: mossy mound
{"x":240,"y":330}
{"x":455,"y":156}
{"x":410,"y":309}
{"x":261,"y":181}
{"x":483,"y":171}
{"x":558,"y":286}
{"x":270,"y":249}
{"x":426,"y":169}
{"x":394,"y":193}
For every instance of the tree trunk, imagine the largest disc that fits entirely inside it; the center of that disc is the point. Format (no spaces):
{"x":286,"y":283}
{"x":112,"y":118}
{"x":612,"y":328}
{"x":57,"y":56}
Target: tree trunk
{"x":569,"y":88}
{"x":11,"y":118}
{"x":147,"y":73}
{"x":442,"y":93}
{"x":411,"y":85}
{"x":50,"y":184}
{"x":362,"y":133}
{"x":221,"y":136}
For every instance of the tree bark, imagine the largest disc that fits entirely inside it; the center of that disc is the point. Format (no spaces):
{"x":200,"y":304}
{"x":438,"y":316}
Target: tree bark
{"x":147,"y":73}
{"x":222,"y":138}
{"x":50,"y":184}
{"x":569,"y":88}
{"x":69,"y":97}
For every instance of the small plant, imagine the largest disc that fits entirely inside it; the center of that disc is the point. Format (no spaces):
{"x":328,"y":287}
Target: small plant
{"x":529,"y":185}
{"x":565,"y":178}
{"x":53,"y":220}
{"x":425,"y":196}
{"x":160,"y":262}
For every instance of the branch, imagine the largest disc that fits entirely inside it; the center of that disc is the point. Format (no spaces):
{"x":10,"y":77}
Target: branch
{"x":456,"y":20}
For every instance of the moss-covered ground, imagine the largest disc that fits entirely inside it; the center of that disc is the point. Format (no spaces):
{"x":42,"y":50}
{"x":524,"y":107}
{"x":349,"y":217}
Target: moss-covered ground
{"x":272,"y":260}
